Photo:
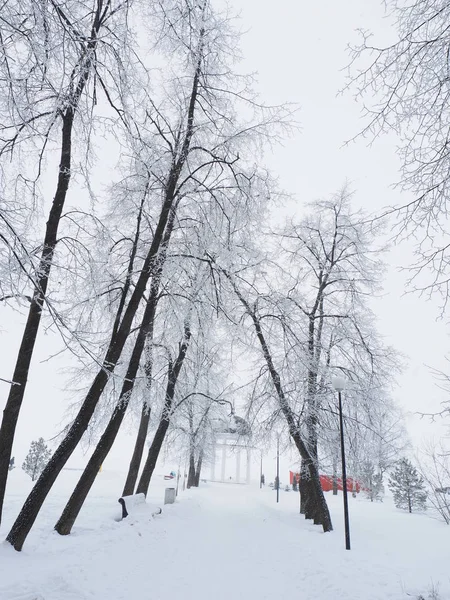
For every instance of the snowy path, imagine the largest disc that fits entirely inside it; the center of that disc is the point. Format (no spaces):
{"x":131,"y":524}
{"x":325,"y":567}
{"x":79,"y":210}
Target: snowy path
{"x":230,"y":542}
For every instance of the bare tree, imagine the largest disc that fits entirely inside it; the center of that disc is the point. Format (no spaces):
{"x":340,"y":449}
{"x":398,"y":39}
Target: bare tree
{"x":434,"y":466}
{"x":160,"y":434}
{"x":333,"y":266}
{"x":404,"y":87}
{"x":321,"y":512}
{"x":204,"y":394}
{"x":145,"y":335}
{"x":16,"y":261}
{"x":141,"y":437}
{"x":102,"y":449}
{"x":125,"y":314}
{"x":192,"y":139}
{"x":44,"y":96}
{"x":314,"y":321}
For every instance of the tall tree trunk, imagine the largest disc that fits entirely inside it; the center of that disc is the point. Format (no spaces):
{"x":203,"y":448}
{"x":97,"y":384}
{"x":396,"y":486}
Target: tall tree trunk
{"x":76,"y":501}
{"x":198,"y":470}
{"x":24,"y":356}
{"x":321,"y":512}
{"x":335,"y":478}
{"x":155,"y":448}
{"x":308,"y":505}
{"x":191,"y":473}
{"x":312,"y":510}
{"x":135,"y":463}
{"x":302,"y":485}
{"x":36,"y":498}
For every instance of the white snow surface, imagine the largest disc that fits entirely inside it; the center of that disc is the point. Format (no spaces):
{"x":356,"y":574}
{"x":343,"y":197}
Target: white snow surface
{"x":220,"y":542}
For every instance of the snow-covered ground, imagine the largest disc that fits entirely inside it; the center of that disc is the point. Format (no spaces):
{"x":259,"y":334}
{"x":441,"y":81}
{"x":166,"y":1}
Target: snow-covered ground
{"x":221,"y":541}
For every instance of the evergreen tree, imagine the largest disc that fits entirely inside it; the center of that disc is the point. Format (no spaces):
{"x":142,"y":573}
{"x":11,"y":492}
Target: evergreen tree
{"x":36,"y":459}
{"x":407,"y":486}
{"x":11,"y":464}
{"x":372,"y":482}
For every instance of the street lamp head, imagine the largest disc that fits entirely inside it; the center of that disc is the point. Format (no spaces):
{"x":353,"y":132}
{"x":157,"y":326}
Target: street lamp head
{"x":338,"y":383}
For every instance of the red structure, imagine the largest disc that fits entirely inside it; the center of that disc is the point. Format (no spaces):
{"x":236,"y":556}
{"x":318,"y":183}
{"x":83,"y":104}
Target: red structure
{"x":327,"y":482}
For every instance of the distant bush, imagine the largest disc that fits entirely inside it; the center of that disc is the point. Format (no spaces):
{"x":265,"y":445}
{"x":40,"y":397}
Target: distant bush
{"x":36,"y":459}
{"x":434,"y":463}
{"x":432,"y":594}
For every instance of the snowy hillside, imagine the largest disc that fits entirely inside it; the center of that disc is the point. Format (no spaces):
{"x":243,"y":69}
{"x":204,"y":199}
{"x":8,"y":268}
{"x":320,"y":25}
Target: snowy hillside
{"x":222,"y":541}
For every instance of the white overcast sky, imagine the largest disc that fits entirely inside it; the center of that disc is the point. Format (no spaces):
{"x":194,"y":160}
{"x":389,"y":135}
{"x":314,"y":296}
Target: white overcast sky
{"x":298,"y":50}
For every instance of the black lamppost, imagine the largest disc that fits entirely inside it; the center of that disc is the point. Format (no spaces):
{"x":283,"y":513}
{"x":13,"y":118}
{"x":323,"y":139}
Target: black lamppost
{"x":339,"y":385}
{"x":278,"y":468}
{"x":260,"y":474}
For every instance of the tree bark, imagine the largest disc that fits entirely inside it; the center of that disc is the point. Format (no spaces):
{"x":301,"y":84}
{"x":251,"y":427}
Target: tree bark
{"x":302,"y":485}
{"x":308,"y":504}
{"x":191,"y":472}
{"x":135,"y":463}
{"x":335,"y":481}
{"x":155,"y":448}
{"x":312,"y":511}
{"x":198,"y":469}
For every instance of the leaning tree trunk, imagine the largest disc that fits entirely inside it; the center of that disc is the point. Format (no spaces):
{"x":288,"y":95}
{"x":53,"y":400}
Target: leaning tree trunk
{"x":155,"y":448}
{"x":76,"y":501}
{"x":152,"y":456}
{"x":23,"y":361}
{"x":335,"y":478}
{"x":135,"y":463}
{"x":36,"y":498}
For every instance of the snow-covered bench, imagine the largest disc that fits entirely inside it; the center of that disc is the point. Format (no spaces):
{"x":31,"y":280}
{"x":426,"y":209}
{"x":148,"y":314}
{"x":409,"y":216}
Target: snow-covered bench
{"x":136,"y":504}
